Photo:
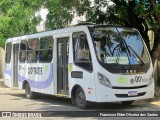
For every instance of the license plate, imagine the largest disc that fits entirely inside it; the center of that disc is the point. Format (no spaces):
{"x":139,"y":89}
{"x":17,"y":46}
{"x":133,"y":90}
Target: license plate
{"x":132,"y":93}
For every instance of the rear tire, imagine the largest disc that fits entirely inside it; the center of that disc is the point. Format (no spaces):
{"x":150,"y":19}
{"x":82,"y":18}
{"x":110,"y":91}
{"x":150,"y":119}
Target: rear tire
{"x":29,"y":94}
{"x":80,"y":99}
{"x":127,"y":102}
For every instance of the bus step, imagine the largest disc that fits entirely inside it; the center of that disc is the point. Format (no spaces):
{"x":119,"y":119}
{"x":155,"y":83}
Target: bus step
{"x":61,"y":95}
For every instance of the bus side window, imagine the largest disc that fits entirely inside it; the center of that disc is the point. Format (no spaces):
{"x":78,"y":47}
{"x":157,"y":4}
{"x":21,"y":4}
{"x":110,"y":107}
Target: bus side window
{"x":45,"y":54}
{"x":81,"y":52}
{"x":8,"y":52}
{"x":32,"y":50}
{"x":22,"y":53}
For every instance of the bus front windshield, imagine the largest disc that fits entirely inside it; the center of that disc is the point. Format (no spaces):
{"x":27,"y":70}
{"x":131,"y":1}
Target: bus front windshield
{"x":120,"y":46}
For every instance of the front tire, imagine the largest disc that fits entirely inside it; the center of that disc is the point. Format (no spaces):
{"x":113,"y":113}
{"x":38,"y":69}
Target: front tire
{"x":127,"y":102}
{"x":80,"y":99}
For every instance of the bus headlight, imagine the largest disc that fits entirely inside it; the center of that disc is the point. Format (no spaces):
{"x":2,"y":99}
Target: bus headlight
{"x":150,"y":79}
{"x":104,"y":80}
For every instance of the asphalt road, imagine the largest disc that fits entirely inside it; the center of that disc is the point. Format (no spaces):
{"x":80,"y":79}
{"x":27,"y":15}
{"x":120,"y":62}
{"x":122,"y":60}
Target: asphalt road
{"x":12,"y":99}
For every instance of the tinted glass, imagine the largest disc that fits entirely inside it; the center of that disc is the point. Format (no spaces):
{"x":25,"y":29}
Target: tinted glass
{"x":119,"y":46}
{"x":33,"y":44}
{"x":8,"y":52}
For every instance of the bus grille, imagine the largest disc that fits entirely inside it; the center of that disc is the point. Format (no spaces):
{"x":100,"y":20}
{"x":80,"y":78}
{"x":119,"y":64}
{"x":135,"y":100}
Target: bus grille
{"x":126,"y":95}
{"x":134,"y":87}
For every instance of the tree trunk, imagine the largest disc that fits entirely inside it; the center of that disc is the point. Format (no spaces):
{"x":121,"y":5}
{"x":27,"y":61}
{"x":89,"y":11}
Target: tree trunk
{"x":138,"y":23}
{"x":156,"y":48}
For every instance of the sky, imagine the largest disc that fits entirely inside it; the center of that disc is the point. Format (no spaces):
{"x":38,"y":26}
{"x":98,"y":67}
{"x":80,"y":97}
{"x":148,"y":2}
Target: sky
{"x":43,"y":12}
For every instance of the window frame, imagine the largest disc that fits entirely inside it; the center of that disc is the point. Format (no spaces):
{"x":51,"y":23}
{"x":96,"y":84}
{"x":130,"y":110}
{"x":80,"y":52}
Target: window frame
{"x":33,"y":50}
{"x":6,"y":53}
{"x":25,"y":50}
{"x":84,"y":63}
{"x":46,"y":49}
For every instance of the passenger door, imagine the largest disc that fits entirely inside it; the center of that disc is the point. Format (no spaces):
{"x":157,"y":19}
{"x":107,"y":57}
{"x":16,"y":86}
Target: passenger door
{"x":15,"y":65}
{"x":62,"y":65}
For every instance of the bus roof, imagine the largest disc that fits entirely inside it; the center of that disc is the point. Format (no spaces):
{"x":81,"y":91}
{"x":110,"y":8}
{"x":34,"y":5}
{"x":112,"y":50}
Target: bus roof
{"x":58,"y":31}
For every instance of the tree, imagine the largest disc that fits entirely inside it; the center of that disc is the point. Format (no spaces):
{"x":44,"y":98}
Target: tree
{"x":18,"y":17}
{"x":62,"y":12}
{"x":143,"y":15}
{"x":155,"y":7}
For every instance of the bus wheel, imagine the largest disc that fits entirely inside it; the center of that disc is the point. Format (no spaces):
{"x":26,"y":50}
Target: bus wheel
{"x":80,"y":99}
{"x":127,"y":102}
{"x":28,"y":92}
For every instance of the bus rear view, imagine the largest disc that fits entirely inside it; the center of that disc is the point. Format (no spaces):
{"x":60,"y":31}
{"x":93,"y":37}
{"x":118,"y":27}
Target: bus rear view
{"x":124,"y":70}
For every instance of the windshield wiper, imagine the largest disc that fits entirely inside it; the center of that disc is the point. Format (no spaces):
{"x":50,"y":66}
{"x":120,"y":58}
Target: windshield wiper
{"x":129,"y":50}
{"x":123,"y":44}
{"x":142,"y":62}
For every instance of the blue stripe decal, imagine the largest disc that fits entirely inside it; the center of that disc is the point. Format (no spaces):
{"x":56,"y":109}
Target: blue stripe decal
{"x":8,"y":72}
{"x":36,"y":84}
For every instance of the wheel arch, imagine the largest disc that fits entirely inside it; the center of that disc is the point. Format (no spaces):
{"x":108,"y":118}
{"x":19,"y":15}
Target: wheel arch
{"x":24,"y":84}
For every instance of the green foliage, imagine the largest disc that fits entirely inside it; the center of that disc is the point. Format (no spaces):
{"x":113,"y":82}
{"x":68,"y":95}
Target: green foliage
{"x":140,"y":14}
{"x":17,"y":17}
{"x":61,"y":12}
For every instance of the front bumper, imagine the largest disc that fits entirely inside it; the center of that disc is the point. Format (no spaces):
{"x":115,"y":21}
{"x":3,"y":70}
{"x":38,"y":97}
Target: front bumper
{"x":105,"y":94}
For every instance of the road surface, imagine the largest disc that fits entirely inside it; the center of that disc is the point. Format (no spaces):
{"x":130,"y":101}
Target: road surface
{"x":12,"y":99}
